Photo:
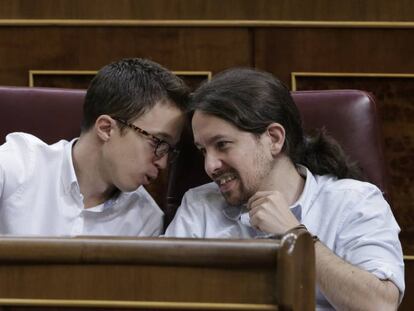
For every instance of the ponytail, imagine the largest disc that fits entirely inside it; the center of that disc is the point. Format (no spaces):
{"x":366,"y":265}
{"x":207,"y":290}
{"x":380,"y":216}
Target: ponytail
{"x":323,"y":155}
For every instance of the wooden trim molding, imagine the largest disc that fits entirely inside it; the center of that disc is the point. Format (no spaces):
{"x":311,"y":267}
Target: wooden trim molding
{"x":135,"y":304}
{"x":33,"y":73}
{"x":202,"y":23}
{"x":295,"y":75}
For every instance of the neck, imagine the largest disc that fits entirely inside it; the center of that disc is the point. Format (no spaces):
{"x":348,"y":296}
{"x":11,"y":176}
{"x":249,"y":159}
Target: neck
{"x":285,"y":178}
{"x":86,"y":161}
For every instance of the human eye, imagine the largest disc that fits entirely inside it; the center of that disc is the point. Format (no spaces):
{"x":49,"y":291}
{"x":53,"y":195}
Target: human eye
{"x":222,"y":144}
{"x":154,"y":141}
{"x":202,"y":151}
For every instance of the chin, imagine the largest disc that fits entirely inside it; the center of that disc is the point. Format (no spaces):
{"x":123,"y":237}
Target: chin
{"x":237,"y":199}
{"x":130,"y":187}
{"x":232,"y":200}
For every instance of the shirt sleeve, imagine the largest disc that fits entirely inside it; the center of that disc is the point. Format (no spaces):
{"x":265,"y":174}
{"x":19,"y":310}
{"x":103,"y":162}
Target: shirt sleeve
{"x":188,"y":221}
{"x":15,"y":164}
{"x":368,"y":239}
{"x":1,"y":182}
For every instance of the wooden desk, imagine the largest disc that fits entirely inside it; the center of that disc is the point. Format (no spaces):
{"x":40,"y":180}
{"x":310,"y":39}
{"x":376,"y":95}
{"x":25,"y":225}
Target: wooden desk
{"x":157,"y":273}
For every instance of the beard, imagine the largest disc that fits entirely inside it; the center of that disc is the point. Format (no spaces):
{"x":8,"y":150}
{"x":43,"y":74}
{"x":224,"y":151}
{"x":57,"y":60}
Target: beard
{"x":249,"y":181}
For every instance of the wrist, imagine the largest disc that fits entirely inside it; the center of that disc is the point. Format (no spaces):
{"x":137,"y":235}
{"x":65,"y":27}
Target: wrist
{"x":303,"y":227}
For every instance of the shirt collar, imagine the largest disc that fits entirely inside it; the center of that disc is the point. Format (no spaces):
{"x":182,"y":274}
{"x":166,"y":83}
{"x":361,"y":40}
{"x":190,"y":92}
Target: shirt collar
{"x":234,"y":212}
{"x":71,"y":185}
{"x":299,"y":208}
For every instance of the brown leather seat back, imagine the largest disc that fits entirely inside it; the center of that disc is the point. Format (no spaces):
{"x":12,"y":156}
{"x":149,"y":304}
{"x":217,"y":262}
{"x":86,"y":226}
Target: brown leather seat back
{"x":48,"y":113}
{"x":349,"y":116}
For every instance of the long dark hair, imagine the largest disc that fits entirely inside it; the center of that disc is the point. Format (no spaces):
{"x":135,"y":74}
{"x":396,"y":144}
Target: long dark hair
{"x":251,"y":100}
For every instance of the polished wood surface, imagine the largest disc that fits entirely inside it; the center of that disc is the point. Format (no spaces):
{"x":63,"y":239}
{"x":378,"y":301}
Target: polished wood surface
{"x":90,"y":48}
{"x":367,"y":10}
{"x":158,"y":273}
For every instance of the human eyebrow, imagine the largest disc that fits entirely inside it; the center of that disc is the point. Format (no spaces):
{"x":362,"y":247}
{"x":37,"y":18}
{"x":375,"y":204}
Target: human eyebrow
{"x":217,"y":138}
{"x":165,"y":137}
{"x":211,"y":140}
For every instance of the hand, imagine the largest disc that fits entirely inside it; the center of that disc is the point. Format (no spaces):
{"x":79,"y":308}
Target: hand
{"x":269,"y":212}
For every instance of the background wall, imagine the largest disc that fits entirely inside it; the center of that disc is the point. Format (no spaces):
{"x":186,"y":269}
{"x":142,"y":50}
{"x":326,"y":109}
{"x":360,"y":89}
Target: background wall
{"x":319,"y":44}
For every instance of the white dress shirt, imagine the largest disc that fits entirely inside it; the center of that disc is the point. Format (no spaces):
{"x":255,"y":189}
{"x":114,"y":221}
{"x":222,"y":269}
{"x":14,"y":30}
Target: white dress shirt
{"x":39,"y":195}
{"x":350,"y":217}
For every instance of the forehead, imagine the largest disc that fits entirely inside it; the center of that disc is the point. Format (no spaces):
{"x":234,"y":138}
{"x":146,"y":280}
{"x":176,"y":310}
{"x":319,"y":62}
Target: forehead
{"x":206,"y":126}
{"x":164,"y":119}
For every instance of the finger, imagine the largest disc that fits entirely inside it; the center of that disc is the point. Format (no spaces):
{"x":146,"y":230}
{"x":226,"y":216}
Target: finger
{"x":257,"y":202}
{"x":253,"y":211}
{"x":254,"y":222}
{"x":258,"y":195}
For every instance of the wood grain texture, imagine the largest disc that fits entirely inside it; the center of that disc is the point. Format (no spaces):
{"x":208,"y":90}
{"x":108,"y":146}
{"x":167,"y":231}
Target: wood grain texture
{"x":352,"y":10}
{"x":161,"y":270}
{"x":89,"y":48}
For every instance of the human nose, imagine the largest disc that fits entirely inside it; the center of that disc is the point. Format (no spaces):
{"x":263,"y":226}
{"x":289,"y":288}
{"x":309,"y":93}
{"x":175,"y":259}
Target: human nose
{"x":212,"y":163}
{"x":161,"y":163}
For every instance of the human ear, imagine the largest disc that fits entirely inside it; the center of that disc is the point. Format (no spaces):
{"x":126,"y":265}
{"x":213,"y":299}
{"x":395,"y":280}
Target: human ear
{"x":276,"y":133}
{"x":104,"y":126}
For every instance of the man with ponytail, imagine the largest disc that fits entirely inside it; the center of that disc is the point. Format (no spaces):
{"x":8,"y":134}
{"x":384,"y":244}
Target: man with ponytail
{"x":269,"y":177}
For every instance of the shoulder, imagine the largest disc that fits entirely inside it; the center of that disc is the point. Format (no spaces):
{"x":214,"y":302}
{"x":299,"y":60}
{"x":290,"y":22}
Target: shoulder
{"x":205,"y":193}
{"x":352,"y":200}
{"x":28,"y":151}
{"x":200,"y":211}
{"x":350,"y":189}
{"x":22,"y":141}
{"x":24,"y":144}
{"x":22,"y":157}
{"x":17,"y":153}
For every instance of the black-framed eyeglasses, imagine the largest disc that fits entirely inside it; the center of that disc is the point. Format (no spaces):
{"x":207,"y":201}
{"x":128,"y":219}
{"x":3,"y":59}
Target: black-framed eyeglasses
{"x":161,"y":147}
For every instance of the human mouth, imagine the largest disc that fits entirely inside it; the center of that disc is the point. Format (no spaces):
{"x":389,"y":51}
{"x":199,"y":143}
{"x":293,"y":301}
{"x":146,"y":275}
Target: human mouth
{"x":150,"y":178}
{"x":224,"y":180}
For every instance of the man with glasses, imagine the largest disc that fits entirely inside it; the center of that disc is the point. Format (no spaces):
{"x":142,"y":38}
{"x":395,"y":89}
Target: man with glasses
{"x":132,"y":120}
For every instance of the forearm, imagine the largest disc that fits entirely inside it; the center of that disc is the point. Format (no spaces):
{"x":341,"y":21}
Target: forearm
{"x":347,"y":287}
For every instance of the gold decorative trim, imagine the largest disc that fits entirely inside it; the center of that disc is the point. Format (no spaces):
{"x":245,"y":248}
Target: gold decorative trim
{"x":294,"y":75}
{"x":32,"y":73}
{"x":203,"y":23}
{"x":134,"y":304}
{"x":408,"y":257}
{"x":209,"y":74}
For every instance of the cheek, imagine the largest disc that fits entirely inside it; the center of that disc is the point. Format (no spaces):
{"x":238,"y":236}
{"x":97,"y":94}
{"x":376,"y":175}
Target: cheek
{"x":138,"y":151}
{"x":256,"y":168}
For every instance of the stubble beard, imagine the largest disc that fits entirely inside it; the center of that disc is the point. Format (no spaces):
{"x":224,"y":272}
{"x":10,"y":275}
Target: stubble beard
{"x":252,"y":182}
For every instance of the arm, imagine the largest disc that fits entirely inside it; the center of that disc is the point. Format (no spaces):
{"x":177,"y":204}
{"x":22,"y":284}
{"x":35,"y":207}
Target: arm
{"x":345,"y":286}
{"x":349,"y":288}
